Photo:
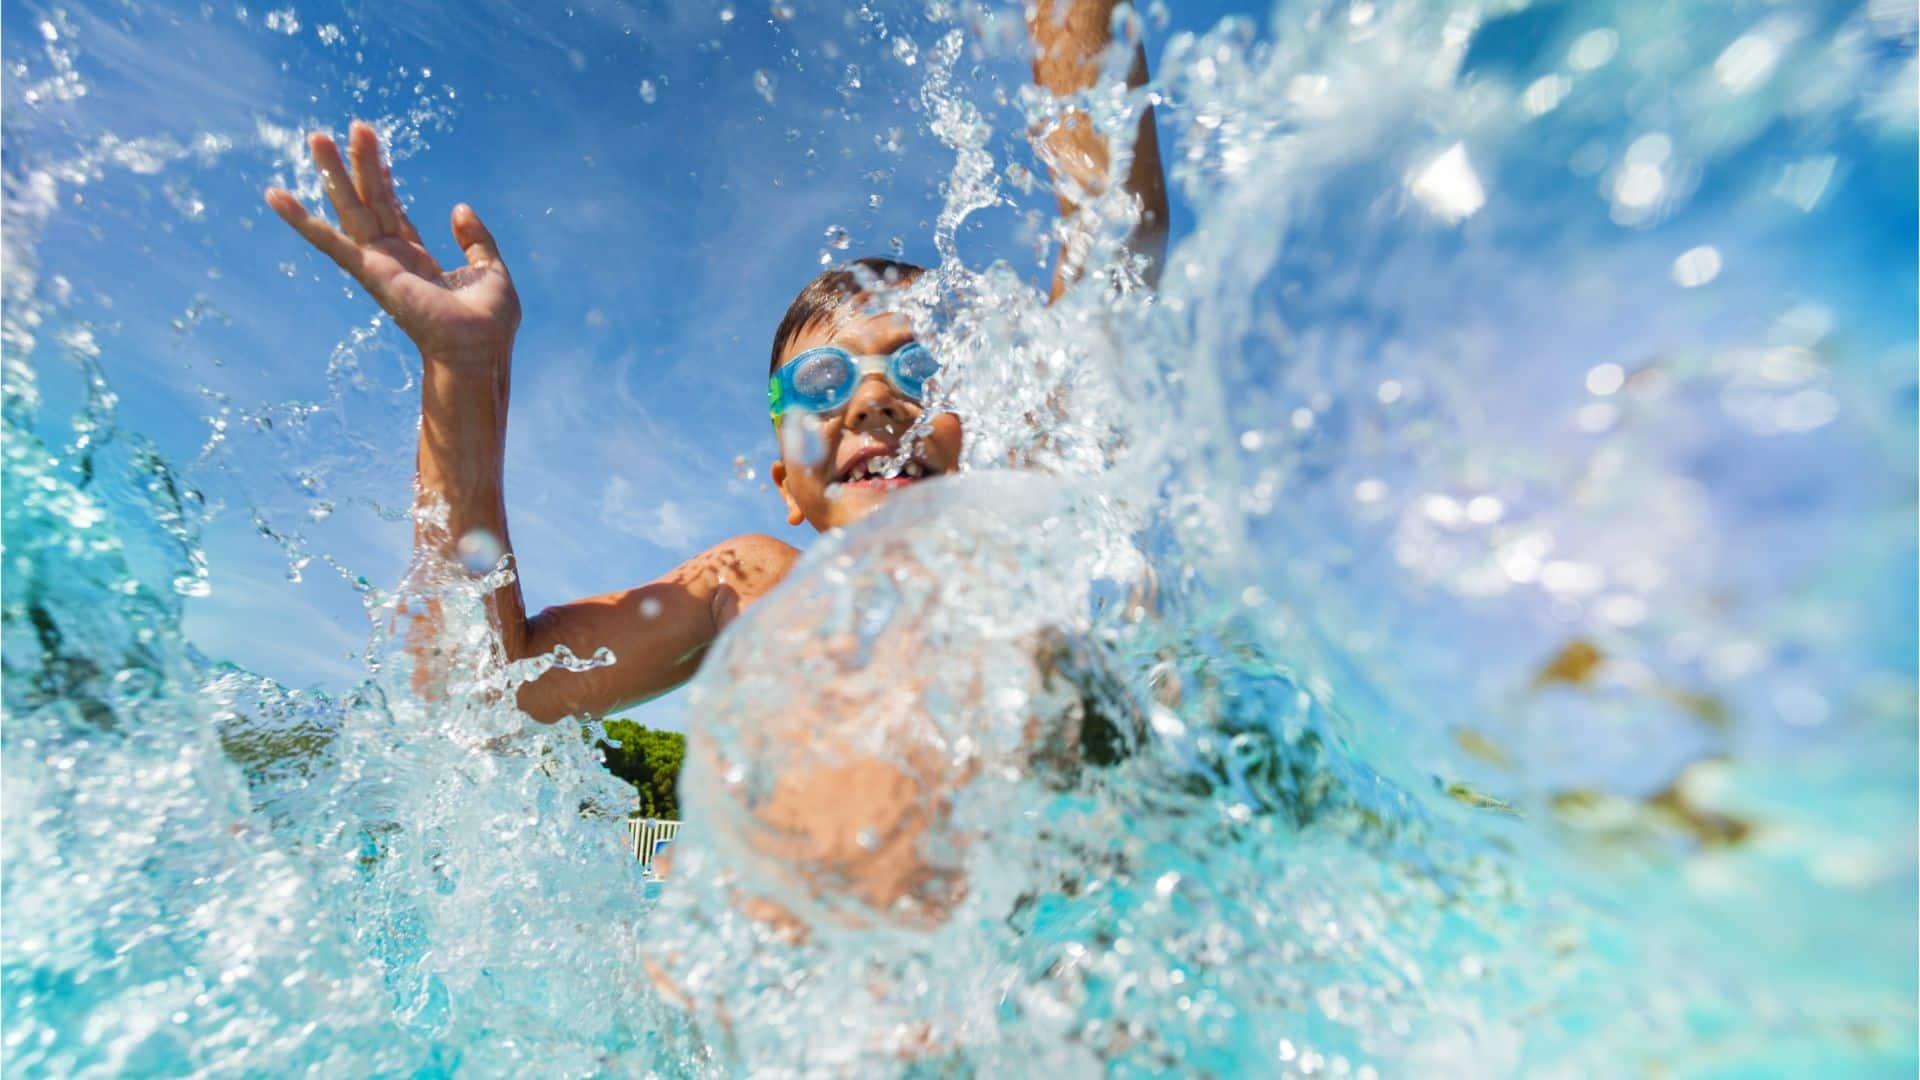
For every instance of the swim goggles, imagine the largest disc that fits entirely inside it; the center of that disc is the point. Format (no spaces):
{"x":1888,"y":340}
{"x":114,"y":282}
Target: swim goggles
{"x":822,"y":380}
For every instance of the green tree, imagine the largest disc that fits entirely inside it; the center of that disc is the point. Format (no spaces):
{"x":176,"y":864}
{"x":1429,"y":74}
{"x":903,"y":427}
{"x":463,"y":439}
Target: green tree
{"x":650,"y":761}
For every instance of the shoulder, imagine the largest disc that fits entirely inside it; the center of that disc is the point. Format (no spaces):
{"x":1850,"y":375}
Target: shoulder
{"x":759,"y":548}
{"x":740,"y":571}
{"x":750,"y":564}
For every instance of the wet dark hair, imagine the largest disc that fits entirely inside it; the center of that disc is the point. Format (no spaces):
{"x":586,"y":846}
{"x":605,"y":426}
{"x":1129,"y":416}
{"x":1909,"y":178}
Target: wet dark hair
{"x":829,"y":291}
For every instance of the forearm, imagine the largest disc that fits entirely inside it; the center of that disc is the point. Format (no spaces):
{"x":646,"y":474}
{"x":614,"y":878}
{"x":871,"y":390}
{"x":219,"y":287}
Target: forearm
{"x":462,"y":454}
{"x":1069,"y":40}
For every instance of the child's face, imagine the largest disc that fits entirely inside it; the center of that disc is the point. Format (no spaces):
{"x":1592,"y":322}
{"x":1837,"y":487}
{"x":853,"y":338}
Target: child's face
{"x":824,"y":492}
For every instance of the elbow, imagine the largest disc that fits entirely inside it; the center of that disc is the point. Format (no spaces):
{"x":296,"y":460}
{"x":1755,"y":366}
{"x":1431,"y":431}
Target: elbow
{"x":536,"y":697}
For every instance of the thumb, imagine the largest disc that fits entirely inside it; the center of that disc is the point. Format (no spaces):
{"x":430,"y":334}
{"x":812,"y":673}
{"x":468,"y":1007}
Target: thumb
{"x":474,"y":239}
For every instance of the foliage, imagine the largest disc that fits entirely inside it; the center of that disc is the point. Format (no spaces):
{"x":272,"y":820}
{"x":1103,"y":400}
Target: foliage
{"x":650,"y":761}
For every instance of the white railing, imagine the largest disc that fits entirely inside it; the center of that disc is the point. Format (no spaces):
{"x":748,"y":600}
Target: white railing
{"x":647,"y":836}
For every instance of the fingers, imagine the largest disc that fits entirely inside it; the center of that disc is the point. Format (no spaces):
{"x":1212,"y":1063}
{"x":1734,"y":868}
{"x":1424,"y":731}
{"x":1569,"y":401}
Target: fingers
{"x":371,"y":180}
{"x":474,"y":239}
{"x":337,"y":245}
{"x":358,"y":221}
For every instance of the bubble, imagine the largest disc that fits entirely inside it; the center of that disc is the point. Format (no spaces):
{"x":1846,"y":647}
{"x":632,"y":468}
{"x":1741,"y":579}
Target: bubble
{"x":1545,"y":94}
{"x":479,"y":551}
{"x":1593,"y":49}
{"x":1696,"y":266}
{"x":1638,"y":186}
{"x":1605,"y":379}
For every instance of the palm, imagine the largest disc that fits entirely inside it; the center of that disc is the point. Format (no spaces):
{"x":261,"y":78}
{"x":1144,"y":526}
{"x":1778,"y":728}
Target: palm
{"x":469,"y":309}
{"x":467,"y":306}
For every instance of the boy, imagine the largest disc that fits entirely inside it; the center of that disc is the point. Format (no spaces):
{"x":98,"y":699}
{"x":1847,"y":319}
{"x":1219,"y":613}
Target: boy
{"x":859,"y":375}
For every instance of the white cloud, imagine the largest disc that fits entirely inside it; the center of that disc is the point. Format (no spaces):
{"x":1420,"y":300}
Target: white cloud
{"x":664,"y":524}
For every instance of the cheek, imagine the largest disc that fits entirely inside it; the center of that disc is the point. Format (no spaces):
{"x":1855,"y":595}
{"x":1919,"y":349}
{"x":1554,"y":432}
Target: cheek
{"x":945,"y":439}
{"x":807,"y":447}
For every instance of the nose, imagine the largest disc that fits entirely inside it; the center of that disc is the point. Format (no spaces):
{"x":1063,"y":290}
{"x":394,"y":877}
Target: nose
{"x":875,"y":408}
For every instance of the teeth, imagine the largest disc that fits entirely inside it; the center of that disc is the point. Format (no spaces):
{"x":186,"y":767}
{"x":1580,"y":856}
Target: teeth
{"x":881,"y":468}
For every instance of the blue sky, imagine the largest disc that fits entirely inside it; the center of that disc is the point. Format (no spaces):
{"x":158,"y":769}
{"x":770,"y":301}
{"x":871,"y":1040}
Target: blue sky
{"x":657,"y":201}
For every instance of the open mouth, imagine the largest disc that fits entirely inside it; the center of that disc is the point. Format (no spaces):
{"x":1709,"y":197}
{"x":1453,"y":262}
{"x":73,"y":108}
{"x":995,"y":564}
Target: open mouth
{"x":877,"y":470}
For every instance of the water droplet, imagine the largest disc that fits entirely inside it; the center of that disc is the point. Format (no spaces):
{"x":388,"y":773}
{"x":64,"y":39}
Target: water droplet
{"x":1592,"y":49}
{"x":1696,"y":266}
{"x":1448,"y":186}
{"x":1545,"y":94}
{"x":741,"y":469}
{"x":1747,"y":62}
{"x":726,"y":14}
{"x":763,"y":85}
{"x":479,"y":551}
{"x":837,"y":238}
{"x":648,"y":93}
{"x":904,"y":51}
{"x":1485,"y":509}
{"x":1605,"y":379}
{"x":649,"y":607}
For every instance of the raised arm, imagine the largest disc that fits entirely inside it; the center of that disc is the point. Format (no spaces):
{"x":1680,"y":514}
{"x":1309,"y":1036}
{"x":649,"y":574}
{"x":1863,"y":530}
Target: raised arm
{"x":1069,"y":39}
{"x":463,"y":322}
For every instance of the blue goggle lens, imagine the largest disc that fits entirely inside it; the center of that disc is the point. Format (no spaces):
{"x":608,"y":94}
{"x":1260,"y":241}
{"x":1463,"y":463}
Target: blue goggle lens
{"x":912,"y":365}
{"x":822,"y":380}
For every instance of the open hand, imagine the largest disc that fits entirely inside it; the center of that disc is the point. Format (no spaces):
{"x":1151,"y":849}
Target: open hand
{"x":469,"y":311}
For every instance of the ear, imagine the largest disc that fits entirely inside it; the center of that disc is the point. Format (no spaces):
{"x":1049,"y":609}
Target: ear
{"x":778,"y":472}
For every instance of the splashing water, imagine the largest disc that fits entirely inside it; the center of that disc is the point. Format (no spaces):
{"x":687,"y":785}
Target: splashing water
{"x":1462,"y":622}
